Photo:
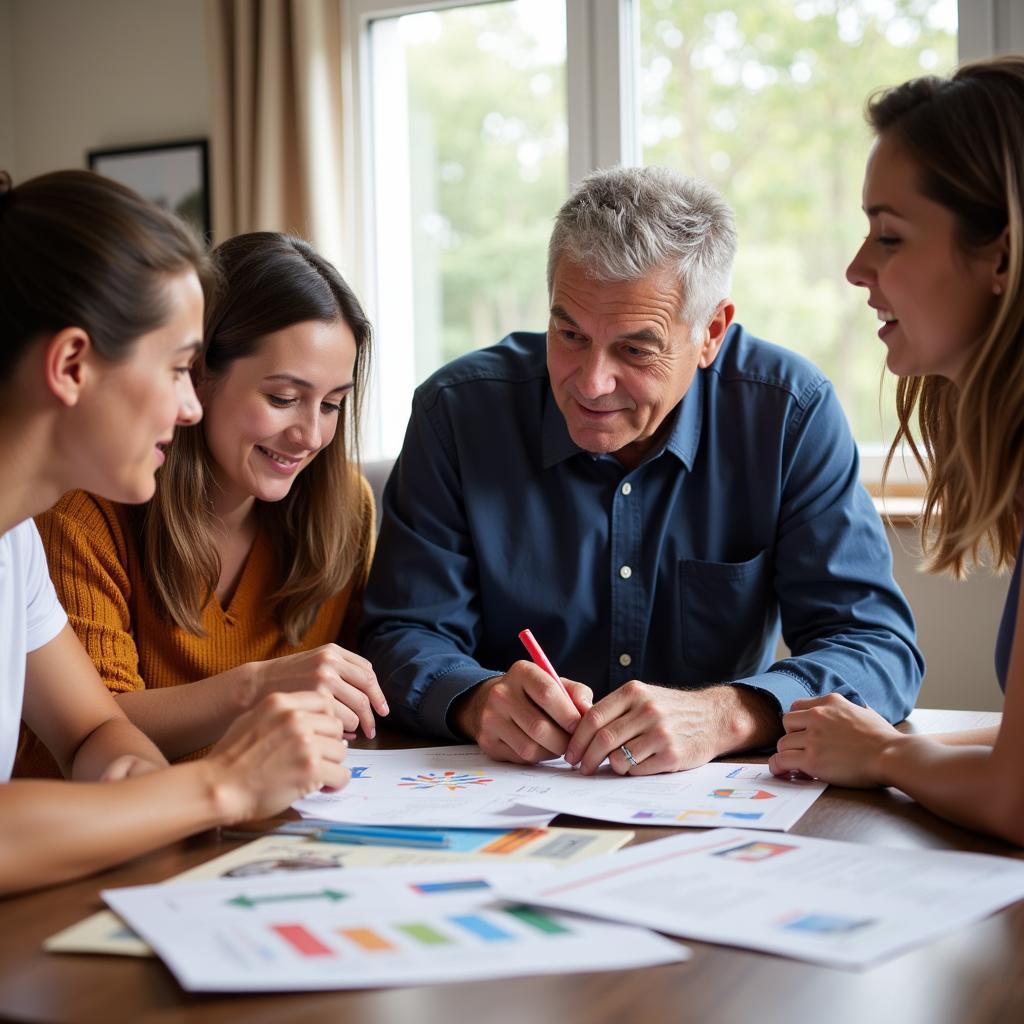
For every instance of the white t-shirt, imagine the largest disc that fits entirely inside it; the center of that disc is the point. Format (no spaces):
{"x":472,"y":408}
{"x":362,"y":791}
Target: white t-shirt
{"x":30,"y":617}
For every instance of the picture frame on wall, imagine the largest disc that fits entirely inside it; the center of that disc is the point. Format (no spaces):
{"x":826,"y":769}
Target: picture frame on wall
{"x":174,"y":175}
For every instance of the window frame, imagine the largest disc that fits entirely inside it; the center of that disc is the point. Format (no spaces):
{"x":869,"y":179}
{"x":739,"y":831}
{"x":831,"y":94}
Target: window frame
{"x":603,"y":115}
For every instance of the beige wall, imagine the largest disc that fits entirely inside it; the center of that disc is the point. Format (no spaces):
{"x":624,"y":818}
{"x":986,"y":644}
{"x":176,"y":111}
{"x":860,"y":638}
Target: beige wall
{"x":7,"y":97}
{"x":101,"y":73}
{"x":956,"y":627}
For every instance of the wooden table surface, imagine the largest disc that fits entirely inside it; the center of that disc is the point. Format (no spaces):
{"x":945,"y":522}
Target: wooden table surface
{"x":967,"y":978}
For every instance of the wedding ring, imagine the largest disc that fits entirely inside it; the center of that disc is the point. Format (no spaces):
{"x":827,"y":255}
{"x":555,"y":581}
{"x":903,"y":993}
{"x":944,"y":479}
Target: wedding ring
{"x":629,"y":755}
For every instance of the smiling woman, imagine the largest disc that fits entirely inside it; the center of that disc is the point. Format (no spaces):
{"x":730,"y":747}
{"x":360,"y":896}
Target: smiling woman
{"x":100,"y":316}
{"x":243,"y":576}
{"x":943,"y":265}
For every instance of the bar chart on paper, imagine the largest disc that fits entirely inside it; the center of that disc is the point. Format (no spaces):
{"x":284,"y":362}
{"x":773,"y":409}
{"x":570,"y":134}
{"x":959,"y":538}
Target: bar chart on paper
{"x":404,"y":937}
{"x":364,"y":928}
{"x":104,"y":933}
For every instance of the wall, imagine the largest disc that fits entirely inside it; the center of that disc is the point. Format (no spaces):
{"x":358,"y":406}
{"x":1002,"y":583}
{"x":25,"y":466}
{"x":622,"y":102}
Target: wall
{"x":7,"y":97}
{"x":956,"y":627}
{"x":102,"y":73}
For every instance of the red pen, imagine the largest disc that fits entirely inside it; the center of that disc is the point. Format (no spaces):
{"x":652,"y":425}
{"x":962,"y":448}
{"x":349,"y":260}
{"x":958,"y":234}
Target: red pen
{"x":539,"y":657}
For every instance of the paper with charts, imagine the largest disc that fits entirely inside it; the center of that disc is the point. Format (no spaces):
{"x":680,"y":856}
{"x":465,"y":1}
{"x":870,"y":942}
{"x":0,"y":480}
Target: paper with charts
{"x":369,"y":928}
{"x":462,"y":786}
{"x":105,"y":932}
{"x":840,"y":904}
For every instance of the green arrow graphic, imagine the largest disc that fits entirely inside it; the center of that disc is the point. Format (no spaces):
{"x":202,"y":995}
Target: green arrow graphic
{"x":254,"y":901}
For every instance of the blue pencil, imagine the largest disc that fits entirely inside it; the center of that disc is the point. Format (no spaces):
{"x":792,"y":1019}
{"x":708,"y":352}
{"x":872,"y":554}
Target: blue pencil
{"x":382,"y":835}
{"x":358,"y":839}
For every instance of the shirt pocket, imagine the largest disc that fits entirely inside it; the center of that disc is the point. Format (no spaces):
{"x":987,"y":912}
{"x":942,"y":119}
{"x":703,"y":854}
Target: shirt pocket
{"x":726,"y":609}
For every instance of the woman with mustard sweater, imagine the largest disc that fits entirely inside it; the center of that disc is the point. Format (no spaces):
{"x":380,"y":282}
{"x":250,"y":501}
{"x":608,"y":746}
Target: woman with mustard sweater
{"x":243,"y":575}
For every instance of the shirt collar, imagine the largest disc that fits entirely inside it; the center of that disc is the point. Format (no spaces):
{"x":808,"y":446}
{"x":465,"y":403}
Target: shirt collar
{"x":557,"y":445}
{"x":684,"y":439}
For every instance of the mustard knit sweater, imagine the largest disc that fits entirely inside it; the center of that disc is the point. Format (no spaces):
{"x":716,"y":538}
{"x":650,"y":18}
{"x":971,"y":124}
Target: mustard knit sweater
{"x":93,"y":555}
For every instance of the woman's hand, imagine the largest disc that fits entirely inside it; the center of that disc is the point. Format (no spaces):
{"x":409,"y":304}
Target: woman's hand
{"x":836,"y":741}
{"x":347,"y":677}
{"x":289,"y":745}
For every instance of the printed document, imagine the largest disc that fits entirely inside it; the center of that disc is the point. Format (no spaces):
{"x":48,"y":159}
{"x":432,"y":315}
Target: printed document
{"x":461,"y":786}
{"x":828,"y":902}
{"x":368,"y":928}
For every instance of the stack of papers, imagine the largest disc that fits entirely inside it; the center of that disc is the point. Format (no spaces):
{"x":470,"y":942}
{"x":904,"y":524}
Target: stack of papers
{"x":364,"y":929}
{"x":454,"y":904}
{"x":106,"y":933}
{"x":461,"y":786}
{"x":829,"y":902}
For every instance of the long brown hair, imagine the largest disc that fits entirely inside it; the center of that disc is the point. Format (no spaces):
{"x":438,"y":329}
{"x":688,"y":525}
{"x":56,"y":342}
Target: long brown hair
{"x":267,"y":282}
{"x":80,"y":250}
{"x":965,"y":135}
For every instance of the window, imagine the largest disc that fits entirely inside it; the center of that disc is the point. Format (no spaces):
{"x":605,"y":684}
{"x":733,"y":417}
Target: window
{"x":766,"y":102}
{"x":468,"y":121}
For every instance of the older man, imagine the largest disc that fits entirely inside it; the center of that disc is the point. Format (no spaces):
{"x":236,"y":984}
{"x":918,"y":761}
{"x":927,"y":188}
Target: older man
{"x":650,"y":490}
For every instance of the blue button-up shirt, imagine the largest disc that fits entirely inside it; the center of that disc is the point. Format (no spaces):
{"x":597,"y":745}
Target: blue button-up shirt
{"x":678,"y":572}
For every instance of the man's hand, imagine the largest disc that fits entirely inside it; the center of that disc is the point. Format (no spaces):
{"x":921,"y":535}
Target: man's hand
{"x":668,"y":730}
{"x":523,"y":716}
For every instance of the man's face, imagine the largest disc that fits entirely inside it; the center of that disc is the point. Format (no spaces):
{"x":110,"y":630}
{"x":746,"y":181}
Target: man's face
{"x":619,"y":358}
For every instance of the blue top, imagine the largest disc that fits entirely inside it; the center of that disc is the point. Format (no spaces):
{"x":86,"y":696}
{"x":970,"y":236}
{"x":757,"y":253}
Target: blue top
{"x":675,"y":572}
{"x":1004,"y":640}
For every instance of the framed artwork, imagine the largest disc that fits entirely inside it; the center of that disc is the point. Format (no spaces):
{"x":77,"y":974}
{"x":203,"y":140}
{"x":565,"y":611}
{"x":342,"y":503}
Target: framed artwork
{"x":175,"y":175}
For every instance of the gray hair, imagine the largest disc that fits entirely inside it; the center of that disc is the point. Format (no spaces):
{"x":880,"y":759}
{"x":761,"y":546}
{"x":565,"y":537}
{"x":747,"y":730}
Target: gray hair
{"x":627,"y":222}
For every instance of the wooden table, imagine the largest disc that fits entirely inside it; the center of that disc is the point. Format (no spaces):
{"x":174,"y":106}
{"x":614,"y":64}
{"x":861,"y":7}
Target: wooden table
{"x":972,"y":977}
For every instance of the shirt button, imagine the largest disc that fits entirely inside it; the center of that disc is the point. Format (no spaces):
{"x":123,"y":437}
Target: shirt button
{"x":625,"y":572}
{"x":627,"y":488}
{"x":625,"y":660}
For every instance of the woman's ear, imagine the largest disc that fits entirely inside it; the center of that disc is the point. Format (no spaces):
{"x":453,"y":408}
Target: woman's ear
{"x":66,"y":364}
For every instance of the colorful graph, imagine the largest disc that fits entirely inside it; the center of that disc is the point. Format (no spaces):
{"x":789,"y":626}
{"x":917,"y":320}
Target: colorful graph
{"x":360,"y":771}
{"x":508,"y":924}
{"x":741,"y":794}
{"x":450,"y":780}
